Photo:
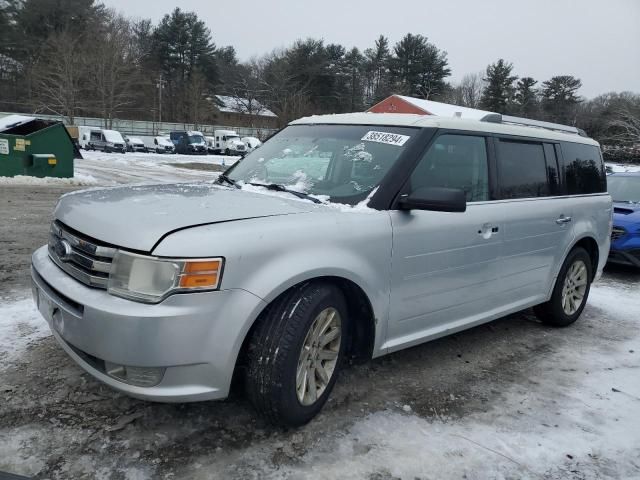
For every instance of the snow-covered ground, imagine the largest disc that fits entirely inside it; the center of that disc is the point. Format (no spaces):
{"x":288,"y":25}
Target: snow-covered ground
{"x":99,"y":168}
{"x":622,"y":167}
{"x":573,"y":414}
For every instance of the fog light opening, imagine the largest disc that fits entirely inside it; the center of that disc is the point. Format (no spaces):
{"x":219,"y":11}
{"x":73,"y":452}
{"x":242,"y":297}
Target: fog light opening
{"x":138,"y":376}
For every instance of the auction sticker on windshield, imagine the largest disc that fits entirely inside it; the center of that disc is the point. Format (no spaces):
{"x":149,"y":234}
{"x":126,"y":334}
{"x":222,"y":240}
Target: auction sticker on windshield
{"x":386,"y":137}
{"x":4,"y":146}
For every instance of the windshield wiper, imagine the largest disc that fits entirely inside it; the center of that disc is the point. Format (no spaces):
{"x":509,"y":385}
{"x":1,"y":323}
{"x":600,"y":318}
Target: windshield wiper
{"x":281,"y":188}
{"x":225,"y":178}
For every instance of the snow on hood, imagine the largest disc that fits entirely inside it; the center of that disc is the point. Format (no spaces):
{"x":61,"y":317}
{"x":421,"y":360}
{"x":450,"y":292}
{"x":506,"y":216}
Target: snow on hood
{"x":136,"y":217}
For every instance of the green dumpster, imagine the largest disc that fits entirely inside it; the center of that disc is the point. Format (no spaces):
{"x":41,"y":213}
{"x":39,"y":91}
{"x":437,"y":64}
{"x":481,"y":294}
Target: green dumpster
{"x":35,"y":147}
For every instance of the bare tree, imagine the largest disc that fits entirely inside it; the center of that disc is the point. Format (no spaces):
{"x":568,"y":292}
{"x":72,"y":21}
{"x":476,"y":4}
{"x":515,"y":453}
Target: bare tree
{"x":112,"y":69}
{"x":196,"y":90}
{"x":58,"y":73}
{"x":471,"y":88}
{"x":624,"y":127}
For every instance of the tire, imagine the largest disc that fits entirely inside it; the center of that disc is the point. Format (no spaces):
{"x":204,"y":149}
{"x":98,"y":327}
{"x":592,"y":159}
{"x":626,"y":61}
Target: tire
{"x":227,"y":152}
{"x":277,"y":381}
{"x":575,"y":275}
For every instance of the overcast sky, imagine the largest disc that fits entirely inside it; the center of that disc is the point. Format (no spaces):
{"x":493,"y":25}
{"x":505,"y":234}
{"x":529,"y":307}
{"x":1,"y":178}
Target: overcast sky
{"x":595,"y":40}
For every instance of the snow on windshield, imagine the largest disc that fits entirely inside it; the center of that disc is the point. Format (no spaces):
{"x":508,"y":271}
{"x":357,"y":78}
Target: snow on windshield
{"x":333,"y":161}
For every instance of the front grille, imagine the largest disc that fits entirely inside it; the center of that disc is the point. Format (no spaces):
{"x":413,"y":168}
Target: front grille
{"x":85,"y":259}
{"x":617,"y":232}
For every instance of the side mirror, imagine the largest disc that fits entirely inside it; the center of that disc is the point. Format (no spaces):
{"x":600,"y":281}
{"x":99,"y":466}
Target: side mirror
{"x":437,"y":199}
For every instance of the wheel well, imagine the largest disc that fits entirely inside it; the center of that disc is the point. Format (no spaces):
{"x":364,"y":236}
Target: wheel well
{"x":591,"y":246}
{"x":361,"y":336}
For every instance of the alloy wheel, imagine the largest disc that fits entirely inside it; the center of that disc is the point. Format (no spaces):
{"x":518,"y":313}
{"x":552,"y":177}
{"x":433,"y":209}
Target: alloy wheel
{"x":318,"y":356}
{"x":574,"y":288}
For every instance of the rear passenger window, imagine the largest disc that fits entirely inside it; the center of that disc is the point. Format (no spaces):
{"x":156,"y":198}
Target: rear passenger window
{"x":455,"y":161}
{"x":522,"y":170}
{"x":583,"y":169}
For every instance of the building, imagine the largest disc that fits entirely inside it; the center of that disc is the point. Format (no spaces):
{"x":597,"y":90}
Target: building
{"x":242,"y":112}
{"x":402,"y":104}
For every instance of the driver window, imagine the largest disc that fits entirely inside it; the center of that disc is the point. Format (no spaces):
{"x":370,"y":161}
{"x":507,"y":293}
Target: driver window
{"x":455,"y":161}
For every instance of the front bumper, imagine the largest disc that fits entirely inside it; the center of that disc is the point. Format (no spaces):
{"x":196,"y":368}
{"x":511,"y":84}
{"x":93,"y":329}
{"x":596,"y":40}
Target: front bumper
{"x":195,"y":337}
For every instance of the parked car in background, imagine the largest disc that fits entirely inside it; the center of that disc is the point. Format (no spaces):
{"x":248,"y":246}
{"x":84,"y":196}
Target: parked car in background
{"x":625,"y":234}
{"x":352,"y":235}
{"x":106,"y":141}
{"x":251,"y":143}
{"x":228,"y":142}
{"x":189,"y":142}
{"x":135,"y":144}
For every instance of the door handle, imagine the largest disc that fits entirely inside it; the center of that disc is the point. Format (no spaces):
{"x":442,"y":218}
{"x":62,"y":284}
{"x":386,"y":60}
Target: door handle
{"x":562,"y":220}
{"x":487,"y":230}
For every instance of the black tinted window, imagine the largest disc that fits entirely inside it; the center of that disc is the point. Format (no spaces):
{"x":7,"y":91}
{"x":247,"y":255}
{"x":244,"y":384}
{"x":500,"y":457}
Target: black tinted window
{"x":583,"y":169}
{"x":455,"y":161}
{"x":522,"y":170}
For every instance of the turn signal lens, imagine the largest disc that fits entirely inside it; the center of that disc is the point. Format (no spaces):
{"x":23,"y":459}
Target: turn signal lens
{"x":200,"y":274}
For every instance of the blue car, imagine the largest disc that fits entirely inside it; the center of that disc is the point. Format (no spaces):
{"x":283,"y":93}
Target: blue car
{"x":625,"y":235}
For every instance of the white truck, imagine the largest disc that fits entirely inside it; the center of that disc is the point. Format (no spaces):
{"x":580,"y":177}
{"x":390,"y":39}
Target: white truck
{"x":228,"y":142}
{"x":159,"y":144}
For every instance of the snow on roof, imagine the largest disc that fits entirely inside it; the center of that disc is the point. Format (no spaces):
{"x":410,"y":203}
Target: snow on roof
{"x":231,"y":104}
{"x":444,"y":109}
{"x":435,"y":121}
{"x":13,"y":120}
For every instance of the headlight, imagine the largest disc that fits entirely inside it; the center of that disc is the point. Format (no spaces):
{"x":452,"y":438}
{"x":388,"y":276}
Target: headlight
{"x":109,"y":144}
{"x":151,"y":279}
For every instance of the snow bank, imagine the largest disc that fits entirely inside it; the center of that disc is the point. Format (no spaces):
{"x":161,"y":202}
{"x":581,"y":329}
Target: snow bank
{"x":78,"y":179}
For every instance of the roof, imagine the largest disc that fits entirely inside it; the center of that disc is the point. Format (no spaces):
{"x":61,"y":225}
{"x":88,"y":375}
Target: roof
{"x":433,"y":121}
{"x":444,"y":109}
{"x":239,"y":105}
{"x":13,"y":120}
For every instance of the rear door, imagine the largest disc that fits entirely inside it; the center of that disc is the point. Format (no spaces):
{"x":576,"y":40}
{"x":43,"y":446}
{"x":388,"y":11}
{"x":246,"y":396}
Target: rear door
{"x":445,"y":265}
{"x":537,"y":218}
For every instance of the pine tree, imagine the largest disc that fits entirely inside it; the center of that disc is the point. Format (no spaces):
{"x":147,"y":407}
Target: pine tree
{"x":526,"y":97}
{"x":498,"y":93}
{"x":560,"y":98}
{"x":419,"y":67}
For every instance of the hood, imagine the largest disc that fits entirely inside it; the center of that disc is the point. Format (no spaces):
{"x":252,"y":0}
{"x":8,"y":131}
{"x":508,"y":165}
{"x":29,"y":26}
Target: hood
{"x":625,"y":213}
{"x":137,"y":217}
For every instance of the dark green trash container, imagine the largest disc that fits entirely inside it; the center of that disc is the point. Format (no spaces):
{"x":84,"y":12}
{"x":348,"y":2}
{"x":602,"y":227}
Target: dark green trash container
{"x":35,"y":147}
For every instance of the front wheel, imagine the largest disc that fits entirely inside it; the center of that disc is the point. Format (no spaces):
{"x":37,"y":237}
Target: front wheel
{"x":570,"y":292}
{"x":295,"y":352}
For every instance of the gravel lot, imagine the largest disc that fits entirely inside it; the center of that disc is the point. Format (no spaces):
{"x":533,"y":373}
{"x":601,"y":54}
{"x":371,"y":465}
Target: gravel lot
{"x":511,"y":399}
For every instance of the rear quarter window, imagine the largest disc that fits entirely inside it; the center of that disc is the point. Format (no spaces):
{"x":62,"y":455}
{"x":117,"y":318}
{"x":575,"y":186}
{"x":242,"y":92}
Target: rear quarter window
{"x":583,"y":169}
{"x":522,"y":170}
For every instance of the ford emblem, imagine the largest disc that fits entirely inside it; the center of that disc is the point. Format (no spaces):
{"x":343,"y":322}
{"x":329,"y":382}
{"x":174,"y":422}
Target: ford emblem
{"x":63,"y":249}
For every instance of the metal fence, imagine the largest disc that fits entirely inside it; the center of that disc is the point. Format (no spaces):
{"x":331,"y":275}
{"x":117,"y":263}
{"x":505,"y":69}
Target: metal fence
{"x":138,"y":127}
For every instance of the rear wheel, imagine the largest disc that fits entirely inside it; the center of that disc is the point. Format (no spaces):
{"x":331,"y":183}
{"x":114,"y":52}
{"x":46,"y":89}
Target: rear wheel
{"x":570,"y":292}
{"x":295,"y":353}
{"x":227,"y":152}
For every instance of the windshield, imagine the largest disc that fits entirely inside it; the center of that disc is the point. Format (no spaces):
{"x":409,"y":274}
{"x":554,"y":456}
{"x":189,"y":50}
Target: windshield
{"x":342,"y":162}
{"x":624,"y":188}
{"x":196,"y":139}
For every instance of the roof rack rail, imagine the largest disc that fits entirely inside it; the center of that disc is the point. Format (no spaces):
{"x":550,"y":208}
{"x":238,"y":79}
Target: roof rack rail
{"x":557,"y":127}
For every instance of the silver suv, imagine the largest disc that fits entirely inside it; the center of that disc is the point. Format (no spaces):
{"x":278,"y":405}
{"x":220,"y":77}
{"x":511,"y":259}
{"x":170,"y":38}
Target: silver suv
{"x":343,"y":236}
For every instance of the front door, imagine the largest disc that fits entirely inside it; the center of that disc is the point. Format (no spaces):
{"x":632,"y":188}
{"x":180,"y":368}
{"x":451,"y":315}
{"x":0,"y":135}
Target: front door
{"x":445,"y":272}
